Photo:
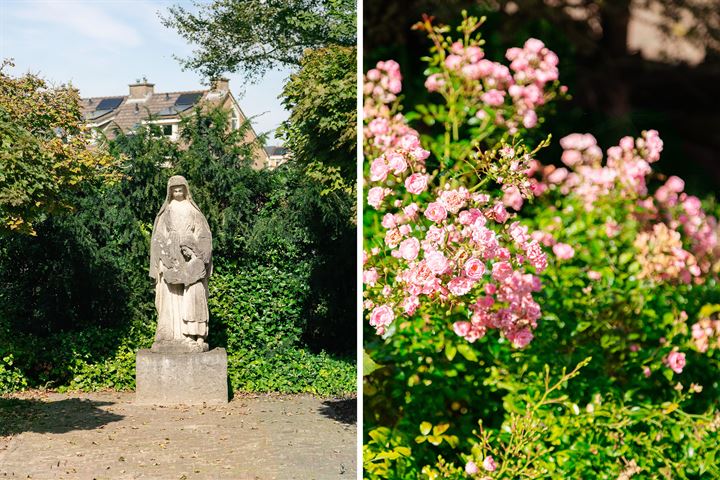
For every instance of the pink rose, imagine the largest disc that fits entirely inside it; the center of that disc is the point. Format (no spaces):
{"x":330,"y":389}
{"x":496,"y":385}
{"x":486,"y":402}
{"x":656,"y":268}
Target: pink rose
{"x":558,"y":175}
{"x":461,"y":328}
{"x":499,"y":213}
{"x":536,"y":256}
{"x":521,"y":338}
{"x":627,"y":143}
{"x":459,"y":286}
{"x":563,"y":251}
{"x":676,"y":361}
{"x":494,"y":98}
{"x":381,"y":316}
{"x":411,"y":304}
{"x":409,"y":248}
{"x":468,"y":217}
{"x":378,"y":170}
{"x":571,"y":157}
{"x":474,"y":53}
{"x":416,"y":183}
{"x":692,"y":206}
{"x":419,"y":154}
{"x":675,"y":184}
{"x":397,"y":163}
{"x":373,"y":75}
{"x":375,"y":196}
{"x":436,"y":262}
{"x":489,"y":463}
{"x":370,"y":277}
{"x":453,"y":200}
{"x":513,"y":198}
{"x":452,"y":62}
{"x":470,"y":467}
{"x":389,"y":221}
{"x":409,"y":142}
{"x":435,"y":212}
{"x":533,"y":45}
{"x":474,"y":268}
{"x":530,"y":119}
{"x":379,"y":126}
{"x":434,"y":82}
{"x":501,"y":270}
{"x":395,"y":85}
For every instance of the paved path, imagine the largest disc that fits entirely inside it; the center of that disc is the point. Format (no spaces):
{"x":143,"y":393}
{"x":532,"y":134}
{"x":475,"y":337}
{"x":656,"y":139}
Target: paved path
{"x":104,"y":436}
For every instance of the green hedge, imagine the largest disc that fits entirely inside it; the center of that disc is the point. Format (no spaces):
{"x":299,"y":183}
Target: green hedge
{"x":77,"y":302}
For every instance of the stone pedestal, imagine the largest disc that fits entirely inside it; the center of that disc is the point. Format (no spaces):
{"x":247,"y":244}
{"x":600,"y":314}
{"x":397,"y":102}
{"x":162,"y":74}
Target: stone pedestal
{"x":164,"y":378}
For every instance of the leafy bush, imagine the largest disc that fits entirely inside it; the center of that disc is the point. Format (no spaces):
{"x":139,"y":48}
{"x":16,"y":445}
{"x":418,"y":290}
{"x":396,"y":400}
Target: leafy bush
{"x":594,"y":277}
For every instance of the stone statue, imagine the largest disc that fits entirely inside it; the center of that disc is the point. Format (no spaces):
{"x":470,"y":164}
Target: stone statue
{"x":181,"y":263}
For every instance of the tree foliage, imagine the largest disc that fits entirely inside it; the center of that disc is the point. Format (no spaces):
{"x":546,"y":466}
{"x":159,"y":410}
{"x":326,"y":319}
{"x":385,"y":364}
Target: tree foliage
{"x":254,"y":36}
{"x":321,"y":130}
{"x":45,"y":151}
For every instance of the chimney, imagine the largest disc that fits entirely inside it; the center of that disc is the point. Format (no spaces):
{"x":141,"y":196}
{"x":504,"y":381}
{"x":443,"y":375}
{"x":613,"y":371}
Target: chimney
{"x":141,"y":90}
{"x":220,"y":84}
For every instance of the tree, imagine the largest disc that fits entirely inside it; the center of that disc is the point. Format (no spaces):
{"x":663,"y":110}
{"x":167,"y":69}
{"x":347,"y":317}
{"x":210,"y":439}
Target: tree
{"x":321,"y":130}
{"x":254,"y":36}
{"x":46,"y":151}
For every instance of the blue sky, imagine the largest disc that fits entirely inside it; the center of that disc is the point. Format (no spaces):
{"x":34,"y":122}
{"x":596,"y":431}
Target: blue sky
{"x":101,"y":46}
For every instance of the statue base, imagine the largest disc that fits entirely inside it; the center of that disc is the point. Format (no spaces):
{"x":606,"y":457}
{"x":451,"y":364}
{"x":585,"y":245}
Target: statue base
{"x":179,"y":346}
{"x":165,"y":378}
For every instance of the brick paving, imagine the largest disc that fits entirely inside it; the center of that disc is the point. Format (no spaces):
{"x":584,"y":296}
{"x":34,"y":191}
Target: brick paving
{"x":45,"y":435}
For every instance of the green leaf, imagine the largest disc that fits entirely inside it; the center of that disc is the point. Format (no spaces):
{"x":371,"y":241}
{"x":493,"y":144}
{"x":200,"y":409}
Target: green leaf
{"x":467,"y":351}
{"x":450,"y":350}
{"x":369,"y":366}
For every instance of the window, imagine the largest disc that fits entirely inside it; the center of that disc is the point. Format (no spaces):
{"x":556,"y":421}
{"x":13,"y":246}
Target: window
{"x":167,"y":130}
{"x":234,"y":120}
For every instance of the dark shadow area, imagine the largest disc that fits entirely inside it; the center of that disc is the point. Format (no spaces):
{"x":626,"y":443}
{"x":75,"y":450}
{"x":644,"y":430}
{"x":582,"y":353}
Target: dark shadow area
{"x":341,"y":410}
{"x":23,"y":415}
{"x":231,"y":392}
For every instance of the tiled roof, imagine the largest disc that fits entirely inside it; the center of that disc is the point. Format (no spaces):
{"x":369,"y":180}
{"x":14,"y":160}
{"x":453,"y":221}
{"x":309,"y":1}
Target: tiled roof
{"x":131,"y":112}
{"x":272,"y":150}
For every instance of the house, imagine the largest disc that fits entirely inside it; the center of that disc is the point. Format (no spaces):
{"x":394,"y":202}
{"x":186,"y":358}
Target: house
{"x":276,"y":156}
{"x":143,"y":105}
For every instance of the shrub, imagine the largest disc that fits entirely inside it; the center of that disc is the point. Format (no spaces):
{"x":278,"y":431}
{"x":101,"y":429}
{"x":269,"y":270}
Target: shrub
{"x":593,"y":271}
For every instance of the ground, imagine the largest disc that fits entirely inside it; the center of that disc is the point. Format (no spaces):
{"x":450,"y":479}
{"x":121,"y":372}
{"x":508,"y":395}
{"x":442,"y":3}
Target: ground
{"x":47,"y":435}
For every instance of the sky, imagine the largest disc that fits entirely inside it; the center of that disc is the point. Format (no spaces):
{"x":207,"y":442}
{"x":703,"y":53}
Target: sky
{"x":101,"y":46}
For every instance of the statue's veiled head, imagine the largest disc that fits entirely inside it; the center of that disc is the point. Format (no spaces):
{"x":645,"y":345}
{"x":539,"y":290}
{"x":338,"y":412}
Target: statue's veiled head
{"x":177,"y":188}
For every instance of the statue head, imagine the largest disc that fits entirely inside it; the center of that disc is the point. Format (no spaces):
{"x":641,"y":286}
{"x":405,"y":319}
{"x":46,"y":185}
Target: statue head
{"x":177,"y":189}
{"x":179,"y":193}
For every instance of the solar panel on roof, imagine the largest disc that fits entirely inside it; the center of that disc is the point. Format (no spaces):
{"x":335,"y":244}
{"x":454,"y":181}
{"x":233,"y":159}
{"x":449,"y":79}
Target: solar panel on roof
{"x":188,"y":98}
{"x":109,"y":103}
{"x":174,"y":110}
{"x":96,"y":114}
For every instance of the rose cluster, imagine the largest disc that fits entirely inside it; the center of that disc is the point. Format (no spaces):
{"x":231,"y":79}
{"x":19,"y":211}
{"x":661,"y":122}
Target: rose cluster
{"x":706,"y":334}
{"x":678,"y":240}
{"x":446,"y":246}
{"x":383,"y":82}
{"x":511,"y":94}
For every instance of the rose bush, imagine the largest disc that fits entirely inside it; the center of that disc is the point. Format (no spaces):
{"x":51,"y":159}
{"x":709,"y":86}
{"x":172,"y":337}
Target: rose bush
{"x":594,"y":274}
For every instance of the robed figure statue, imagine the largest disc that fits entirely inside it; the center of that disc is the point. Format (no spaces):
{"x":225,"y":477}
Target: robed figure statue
{"x":180,"y":264}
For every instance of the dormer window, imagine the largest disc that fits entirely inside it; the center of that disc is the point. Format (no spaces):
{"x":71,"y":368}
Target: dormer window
{"x":167,"y":130}
{"x":234,"y":120}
